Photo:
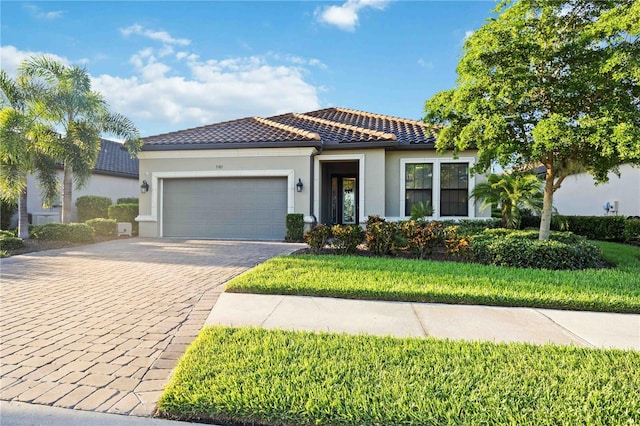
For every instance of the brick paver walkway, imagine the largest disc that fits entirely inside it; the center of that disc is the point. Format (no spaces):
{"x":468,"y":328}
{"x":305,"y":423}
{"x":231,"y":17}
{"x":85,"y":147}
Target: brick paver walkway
{"x":100,"y":327}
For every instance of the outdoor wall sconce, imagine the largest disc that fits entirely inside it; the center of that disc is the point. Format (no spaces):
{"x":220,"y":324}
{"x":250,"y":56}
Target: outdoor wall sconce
{"x":299,"y":185}
{"x":144,"y":187}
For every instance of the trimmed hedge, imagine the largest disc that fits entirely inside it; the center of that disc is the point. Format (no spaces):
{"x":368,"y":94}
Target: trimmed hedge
{"x":521,"y":249}
{"x":73,"y":232}
{"x":602,"y":228}
{"x":295,"y":226}
{"x":8,"y":241}
{"x":92,"y":206}
{"x":125,"y":213}
{"x":103,"y":227}
{"x":128,"y":200}
{"x":632,"y":229}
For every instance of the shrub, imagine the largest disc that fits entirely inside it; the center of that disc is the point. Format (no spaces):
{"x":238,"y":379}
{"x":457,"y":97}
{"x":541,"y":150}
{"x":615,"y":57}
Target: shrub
{"x":380,"y":235}
{"x":295,"y":226}
{"x":472,"y":226}
{"x":7,"y":210}
{"x":421,"y":210}
{"x":92,"y":206}
{"x":422,"y":237}
{"x":603,"y":228}
{"x":455,"y":243}
{"x":346,"y":238}
{"x":102,"y":227}
{"x":3,"y":254}
{"x":317,"y":237}
{"x":8,"y":241}
{"x":632,"y":229}
{"x":128,"y":200}
{"x":125,"y":213}
{"x":72,"y":232}
{"x":522,"y":249}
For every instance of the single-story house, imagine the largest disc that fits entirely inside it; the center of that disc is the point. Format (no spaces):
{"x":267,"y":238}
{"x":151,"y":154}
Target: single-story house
{"x":239,"y":179}
{"x":115,"y":175}
{"x":580,"y":196}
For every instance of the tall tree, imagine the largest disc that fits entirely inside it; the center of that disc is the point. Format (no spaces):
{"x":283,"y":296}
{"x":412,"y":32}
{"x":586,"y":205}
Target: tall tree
{"x":550,"y":82}
{"x":82,"y":115}
{"x":26,"y":147}
{"x":513,"y":192}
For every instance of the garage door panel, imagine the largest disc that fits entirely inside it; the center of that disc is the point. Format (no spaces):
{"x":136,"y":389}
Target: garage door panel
{"x":235,"y":208}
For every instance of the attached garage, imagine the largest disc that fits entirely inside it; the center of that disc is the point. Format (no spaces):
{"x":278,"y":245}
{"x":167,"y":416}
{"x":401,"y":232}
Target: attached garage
{"x":225,"y":207}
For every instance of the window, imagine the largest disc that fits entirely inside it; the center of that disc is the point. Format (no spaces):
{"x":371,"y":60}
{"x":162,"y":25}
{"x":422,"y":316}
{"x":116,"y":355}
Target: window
{"x":454,"y":189}
{"x":418,"y":185}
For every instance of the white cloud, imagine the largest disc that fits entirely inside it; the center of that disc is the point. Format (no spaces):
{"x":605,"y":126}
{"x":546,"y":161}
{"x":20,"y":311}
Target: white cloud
{"x":346,"y":16}
{"x":11,"y":58}
{"x":181,"y":90}
{"x":40,"y":14}
{"x":162,"y":36}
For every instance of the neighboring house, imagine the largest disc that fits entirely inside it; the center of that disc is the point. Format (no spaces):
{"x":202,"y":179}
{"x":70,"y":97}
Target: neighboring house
{"x":115,"y":176}
{"x":579,"y":195}
{"x":239,"y":179}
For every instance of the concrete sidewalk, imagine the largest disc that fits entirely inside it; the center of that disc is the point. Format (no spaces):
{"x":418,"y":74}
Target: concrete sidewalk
{"x":403,"y":319}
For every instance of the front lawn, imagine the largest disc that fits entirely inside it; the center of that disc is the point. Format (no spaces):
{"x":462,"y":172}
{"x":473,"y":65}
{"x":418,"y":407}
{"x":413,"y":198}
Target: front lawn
{"x":275,"y":377}
{"x":608,"y":290}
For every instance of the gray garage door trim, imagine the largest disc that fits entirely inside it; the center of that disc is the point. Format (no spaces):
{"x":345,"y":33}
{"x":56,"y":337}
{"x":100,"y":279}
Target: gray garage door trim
{"x":248,"y":205}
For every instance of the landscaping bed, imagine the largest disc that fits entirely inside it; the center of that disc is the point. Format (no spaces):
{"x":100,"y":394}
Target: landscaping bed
{"x":243,"y":376}
{"x":357,"y":277}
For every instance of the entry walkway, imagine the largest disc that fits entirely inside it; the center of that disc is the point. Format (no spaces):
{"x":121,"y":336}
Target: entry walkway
{"x":401,"y":319}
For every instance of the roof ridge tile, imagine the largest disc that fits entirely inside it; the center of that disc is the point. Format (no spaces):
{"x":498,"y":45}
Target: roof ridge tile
{"x":304,"y":133}
{"x":373,"y":115}
{"x":377,"y":133}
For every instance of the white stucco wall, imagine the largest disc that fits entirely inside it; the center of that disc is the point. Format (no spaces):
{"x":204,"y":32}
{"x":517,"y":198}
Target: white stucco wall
{"x":579,"y":195}
{"x":102,"y":185}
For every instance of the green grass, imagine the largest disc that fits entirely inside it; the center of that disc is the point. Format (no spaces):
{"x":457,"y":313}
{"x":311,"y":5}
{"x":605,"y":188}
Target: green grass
{"x":274,"y":377}
{"x":608,"y":290}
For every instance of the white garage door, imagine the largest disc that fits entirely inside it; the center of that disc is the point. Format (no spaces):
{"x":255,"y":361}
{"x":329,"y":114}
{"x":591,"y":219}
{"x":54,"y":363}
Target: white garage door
{"x":233,"y":208}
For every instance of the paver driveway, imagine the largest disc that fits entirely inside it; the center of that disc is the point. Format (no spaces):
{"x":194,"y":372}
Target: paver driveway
{"x":100,"y":327}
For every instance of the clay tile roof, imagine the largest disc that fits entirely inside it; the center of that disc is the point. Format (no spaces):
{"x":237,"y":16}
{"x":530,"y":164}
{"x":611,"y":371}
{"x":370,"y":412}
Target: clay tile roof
{"x":115,"y":160}
{"x":242,"y":131}
{"x":329,"y":127}
{"x":407,"y":131}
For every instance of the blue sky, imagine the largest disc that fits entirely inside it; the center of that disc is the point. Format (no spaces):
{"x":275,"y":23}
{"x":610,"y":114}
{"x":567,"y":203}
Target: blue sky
{"x":174,"y":65}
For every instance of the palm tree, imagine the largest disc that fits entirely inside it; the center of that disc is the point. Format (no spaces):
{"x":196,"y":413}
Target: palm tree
{"x":82,"y":115}
{"x":25,"y":148}
{"x":513,"y":192}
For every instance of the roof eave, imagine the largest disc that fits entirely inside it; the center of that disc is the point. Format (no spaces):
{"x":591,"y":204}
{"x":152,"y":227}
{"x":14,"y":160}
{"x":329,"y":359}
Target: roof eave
{"x":231,"y":145}
{"x":361,"y":145}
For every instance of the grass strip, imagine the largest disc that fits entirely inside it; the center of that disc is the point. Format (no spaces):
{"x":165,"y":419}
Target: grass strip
{"x":607,"y":290}
{"x":275,"y":377}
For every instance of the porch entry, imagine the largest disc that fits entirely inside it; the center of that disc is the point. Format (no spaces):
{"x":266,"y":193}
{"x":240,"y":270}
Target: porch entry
{"x":340,"y":193}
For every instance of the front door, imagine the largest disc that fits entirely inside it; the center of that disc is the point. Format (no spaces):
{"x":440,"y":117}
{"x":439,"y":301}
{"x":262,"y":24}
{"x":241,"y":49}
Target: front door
{"x":344,"y":200}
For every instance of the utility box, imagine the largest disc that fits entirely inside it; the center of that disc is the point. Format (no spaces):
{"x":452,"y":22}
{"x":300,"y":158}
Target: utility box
{"x":123,"y":229}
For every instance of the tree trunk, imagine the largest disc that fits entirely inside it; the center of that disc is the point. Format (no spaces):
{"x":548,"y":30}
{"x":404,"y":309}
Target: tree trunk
{"x":547,"y":206}
{"x":67,"y":188}
{"x":23,"y":216}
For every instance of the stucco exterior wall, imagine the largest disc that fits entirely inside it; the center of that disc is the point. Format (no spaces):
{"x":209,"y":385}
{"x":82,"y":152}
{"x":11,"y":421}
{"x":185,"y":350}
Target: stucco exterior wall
{"x":158,"y":165}
{"x":113,"y":187}
{"x":395,"y":196}
{"x":579,"y":195}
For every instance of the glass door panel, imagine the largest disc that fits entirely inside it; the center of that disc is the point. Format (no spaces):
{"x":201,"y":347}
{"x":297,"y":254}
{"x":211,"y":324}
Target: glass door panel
{"x":348,"y":201}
